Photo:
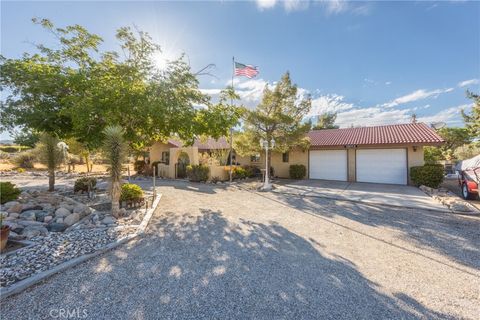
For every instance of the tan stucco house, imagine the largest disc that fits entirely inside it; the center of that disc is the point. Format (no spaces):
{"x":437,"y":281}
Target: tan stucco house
{"x":380,"y":154}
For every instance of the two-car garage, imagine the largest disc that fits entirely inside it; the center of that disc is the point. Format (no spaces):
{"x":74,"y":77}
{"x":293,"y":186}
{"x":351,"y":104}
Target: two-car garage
{"x":369,"y":165}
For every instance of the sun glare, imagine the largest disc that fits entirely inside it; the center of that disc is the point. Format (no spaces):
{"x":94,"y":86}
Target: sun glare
{"x":162,"y":59}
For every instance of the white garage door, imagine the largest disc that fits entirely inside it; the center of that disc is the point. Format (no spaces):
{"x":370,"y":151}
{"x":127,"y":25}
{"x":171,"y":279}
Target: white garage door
{"x":382,"y":166}
{"x":328,"y":164}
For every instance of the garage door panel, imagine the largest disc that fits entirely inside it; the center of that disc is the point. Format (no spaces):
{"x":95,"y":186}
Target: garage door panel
{"x":382,"y":165}
{"x":328,"y":164}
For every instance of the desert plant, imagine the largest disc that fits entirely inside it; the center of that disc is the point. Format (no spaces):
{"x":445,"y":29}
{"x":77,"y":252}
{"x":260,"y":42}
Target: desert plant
{"x":297,"y":171}
{"x":8,"y":192}
{"x":427,"y":175}
{"x":131,"y":192}
{"x":198,"y":173}
{"x":85,"y":184}
{"x":114,"y":148}
{"x":51,"y":153}
{"x":24,"y":160}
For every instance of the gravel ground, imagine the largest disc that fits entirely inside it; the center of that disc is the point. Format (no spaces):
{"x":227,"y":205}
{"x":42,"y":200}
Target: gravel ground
{"x":213,"y":252}
{"x":54,"y":249}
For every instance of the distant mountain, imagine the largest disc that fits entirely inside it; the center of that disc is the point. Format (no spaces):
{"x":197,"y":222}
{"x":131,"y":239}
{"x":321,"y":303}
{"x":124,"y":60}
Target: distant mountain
{"x":6,"y":142}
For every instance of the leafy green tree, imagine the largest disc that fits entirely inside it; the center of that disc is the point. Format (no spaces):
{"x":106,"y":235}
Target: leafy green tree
{"x":115,"y":151}
{"x":454,"y":138}
{"x":326,"y":121}
{"x":26,"y":138}
{"x":50,"y":153}
{"x":432,"y":155}
{"x":472,"y":120}
{"x":76,"y":90}
{"x":279,"y":116}
{"x":467,"y":151}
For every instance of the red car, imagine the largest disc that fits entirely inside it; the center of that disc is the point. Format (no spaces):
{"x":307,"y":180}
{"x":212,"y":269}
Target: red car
{"x":469,"y":177}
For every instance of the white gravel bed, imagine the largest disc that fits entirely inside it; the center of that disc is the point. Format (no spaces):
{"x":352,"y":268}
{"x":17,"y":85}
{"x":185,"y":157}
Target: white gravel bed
{"x":53,"y":249}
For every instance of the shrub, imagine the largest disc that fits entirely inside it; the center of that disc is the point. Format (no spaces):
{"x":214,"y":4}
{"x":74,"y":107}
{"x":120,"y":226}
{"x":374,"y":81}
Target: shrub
{"x":131,"y":192}
{"x":84,"y":184}
{"x":8,"y":192}
{"x":24,"y":160}
{"x":198,"y":173}
{"x":427,"y":175}
{"x":251,"y":171}
{"x":239,"y":173}
{"x":297,"y":171}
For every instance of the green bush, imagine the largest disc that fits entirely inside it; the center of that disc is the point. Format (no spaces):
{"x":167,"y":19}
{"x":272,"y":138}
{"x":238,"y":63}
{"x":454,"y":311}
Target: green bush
{"x":83,"y":184}
{"x":251,"y":171}
{"x":13,"y":149}
{"x":427,"y":175}
{"x":239,"y":173}
{"x":198,"y":173}
{"x":8,"y":192}
{"x":24,"y":160}
{"x":297,"y":171}
{"x":131,"y":192}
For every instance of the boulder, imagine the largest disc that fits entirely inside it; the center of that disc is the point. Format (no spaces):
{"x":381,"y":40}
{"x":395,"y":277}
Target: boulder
{"x":10,"y":204}
{"x":109,"y":220}
{"x":71,"y":219}
{"x":34,"y":231}
{"x":62,"y":212}
{"x":28,"y":215}
{"x":13,"y":215}
{"x":66,"y":205}
{"x":82,"y":210}
{"x":59,"y":220}
{"x":47,"y":219}
{"x":17,"y":208}
{"x":57,"y":227}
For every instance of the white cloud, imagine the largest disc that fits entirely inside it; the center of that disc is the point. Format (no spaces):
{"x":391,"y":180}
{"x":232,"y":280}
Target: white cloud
{"x":266,"y":4}
{"x":467,"y":83}
{"x":388,"y":83}
{"x":416,"y":95}
{"x":329,"y":103}
{"x":371,"y":117}
{"x":450,"y":116}
{"x":210,"y":91}
{"x":335,"y":6}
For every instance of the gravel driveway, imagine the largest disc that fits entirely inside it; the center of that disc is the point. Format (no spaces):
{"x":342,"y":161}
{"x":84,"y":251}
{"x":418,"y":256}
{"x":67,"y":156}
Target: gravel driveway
{"x":217,"y":253}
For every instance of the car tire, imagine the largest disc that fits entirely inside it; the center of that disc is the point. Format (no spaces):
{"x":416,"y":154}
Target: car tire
{"x":467,"y":195}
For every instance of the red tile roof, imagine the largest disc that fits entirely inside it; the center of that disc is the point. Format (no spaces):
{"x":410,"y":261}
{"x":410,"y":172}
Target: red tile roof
{"x":411,"y":133}
{"x":208,"y":144}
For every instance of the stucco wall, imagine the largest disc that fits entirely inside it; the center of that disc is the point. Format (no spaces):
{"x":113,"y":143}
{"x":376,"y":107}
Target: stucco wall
{"x":156,"y":151}
{"x":282,"y":169}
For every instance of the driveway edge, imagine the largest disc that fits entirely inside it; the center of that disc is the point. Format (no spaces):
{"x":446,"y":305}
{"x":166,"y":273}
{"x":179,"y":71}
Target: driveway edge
{"x":26,"y":283}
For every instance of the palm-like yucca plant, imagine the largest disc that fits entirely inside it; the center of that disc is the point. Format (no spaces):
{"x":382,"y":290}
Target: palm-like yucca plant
{"x":50,"y":154}
{"x":114,"y":148}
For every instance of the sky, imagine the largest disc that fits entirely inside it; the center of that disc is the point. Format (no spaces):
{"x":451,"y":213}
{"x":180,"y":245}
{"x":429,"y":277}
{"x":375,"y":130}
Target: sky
{"x":373,"y":63}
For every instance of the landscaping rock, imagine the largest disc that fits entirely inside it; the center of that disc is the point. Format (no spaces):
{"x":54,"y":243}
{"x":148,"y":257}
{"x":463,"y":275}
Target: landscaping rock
{"x":17,"y":208}
{"x":71,"y":219}
{"x":10,"y":204}
{"x":81,"y":209}
{"x":62,"y":212}
{"x":27,"y":223}
{"x":57,"y":227}
{"x":460,"y":207}
{"x":59,"y":220}
{"x":109,"y":220}
{"x":34,"y":231}
{"x":13,"y":215}
{"x":47,"y":219}
{"x":40,"y":215}
{"x":28,"y":215}
{"x":30,"y":207}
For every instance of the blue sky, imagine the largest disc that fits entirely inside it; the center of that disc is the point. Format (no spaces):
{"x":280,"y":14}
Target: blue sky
{"x":372,"y":62}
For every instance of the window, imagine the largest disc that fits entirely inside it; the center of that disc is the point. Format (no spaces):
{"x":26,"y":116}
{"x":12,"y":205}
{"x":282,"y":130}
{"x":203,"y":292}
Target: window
{"x":255,"y":158}
{"x":285,"y":157}
{"x":166,"y":157}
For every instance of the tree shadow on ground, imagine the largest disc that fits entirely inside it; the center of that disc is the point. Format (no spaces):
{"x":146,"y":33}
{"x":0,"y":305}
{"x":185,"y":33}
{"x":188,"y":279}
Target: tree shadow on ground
{"x":202,"y":266}
{"x":453,"y":236}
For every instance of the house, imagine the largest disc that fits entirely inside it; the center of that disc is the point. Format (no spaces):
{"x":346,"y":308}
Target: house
{"x":380,"y":154}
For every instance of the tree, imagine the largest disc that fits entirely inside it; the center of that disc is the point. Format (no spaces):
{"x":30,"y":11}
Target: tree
{"x":50,"y":153}
{"x":114,"y":148}
{"x":472,"y":120}
{"x":26,"y":138}
{"x":467,"y":151}
{"x":279,"y":116}
{"x":454,"y":138}
{"x":76,"y":90}
{"x":326,"y":121}
{"x":432,"y":155}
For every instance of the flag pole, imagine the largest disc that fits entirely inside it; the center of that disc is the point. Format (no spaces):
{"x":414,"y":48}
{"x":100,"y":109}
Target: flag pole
{"x":231,"y":129}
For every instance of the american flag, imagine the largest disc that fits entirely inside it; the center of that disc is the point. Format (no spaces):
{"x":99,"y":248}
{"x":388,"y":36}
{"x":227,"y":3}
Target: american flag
{"x":245,"y":70}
